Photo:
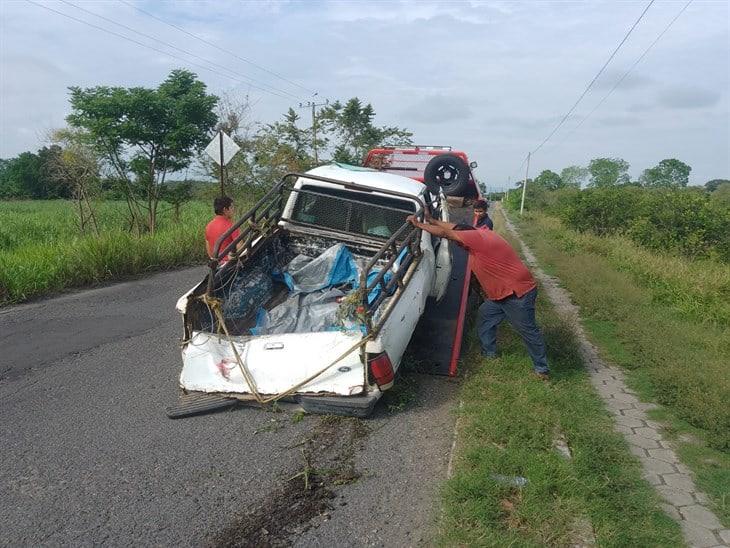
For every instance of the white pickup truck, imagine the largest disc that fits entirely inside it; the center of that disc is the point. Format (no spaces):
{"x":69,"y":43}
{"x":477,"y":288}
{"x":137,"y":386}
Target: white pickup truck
{"x":320,"y":294}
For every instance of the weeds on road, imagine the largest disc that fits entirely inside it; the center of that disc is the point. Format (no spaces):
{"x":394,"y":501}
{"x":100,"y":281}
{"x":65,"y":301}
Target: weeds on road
{"x":674,"y":343}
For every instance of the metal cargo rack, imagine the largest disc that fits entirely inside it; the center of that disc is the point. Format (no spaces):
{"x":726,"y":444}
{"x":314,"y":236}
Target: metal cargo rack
{"x":261,"y":224}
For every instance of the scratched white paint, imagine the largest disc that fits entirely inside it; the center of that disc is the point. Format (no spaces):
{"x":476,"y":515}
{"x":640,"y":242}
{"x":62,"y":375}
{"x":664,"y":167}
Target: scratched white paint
{"x":210,"y":365}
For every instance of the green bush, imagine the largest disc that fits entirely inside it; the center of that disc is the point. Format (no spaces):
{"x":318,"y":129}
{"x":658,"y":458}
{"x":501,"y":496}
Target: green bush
{"x":538,"y":198}
{"x":686,"y":221}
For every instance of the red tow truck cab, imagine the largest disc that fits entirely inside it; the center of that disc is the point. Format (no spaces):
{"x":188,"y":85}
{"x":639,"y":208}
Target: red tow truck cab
{"x":433,"y":164}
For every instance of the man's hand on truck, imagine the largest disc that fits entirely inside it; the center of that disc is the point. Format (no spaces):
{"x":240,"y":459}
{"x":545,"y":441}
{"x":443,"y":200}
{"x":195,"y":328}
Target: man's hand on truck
{"x":440,"y":229}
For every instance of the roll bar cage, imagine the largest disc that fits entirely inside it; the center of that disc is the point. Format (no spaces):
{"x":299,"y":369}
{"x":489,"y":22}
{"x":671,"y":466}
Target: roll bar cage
{"x":260,"y":223}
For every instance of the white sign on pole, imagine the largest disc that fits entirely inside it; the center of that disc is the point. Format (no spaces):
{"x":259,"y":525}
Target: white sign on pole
{"x":229,"y":148}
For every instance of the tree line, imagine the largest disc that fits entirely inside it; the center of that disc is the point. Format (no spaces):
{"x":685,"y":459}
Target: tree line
{"x":136,"y":143}
{"x":659,"y":210}
{"x":603,"y":172}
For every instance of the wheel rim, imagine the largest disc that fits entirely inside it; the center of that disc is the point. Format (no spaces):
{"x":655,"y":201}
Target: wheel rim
{"x":447,"y":175}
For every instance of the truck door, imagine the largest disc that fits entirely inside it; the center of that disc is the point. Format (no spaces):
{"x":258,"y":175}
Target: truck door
{"x":442,"y":250}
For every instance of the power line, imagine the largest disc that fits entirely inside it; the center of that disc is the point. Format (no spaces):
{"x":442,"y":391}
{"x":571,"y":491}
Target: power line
{"x":153,"y":48}
{"x":590,"y":84}
{"x":212,"y":44}
{"x":631,"y":68}
{"x":167,"y":44}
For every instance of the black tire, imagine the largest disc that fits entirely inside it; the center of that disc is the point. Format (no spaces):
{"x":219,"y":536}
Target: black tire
{"x":449,"y":172}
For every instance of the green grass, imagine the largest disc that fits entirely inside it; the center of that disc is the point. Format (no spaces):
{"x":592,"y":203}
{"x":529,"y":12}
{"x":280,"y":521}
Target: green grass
{"x":508,"y":424}
{"x":664,"y":320}
{"x":42,"y":250}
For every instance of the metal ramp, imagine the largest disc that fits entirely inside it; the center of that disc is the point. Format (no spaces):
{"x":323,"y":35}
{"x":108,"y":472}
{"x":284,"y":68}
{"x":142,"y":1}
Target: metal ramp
{"x":436,"y":342}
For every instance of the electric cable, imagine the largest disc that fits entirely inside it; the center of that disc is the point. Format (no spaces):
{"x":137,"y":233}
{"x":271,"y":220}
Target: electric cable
{"x":212,"y":44}
{"x":154,"y":48}
{"x":630,"y":69}
{"x":598,"y":74}
{"x":167,"y":44}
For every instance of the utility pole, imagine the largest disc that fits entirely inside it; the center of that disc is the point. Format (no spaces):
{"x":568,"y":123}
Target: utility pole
{"x":524,"y":185}
{"x":313,"y":105}
{"x":509,"y":185}
{"x":220,"y":141}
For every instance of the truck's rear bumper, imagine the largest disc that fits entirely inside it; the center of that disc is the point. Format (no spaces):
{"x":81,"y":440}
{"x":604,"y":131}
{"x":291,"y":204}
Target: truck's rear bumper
{"x":348,"y":406}
{"x":197,"y":403}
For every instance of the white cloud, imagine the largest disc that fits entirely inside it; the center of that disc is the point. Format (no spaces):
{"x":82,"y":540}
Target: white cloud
{"x":492,"y":78}
{"x":689,"y":97}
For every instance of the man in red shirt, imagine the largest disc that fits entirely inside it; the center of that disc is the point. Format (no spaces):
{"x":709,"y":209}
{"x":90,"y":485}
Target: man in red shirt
{"x":223,"y":220}
{"x":509,"y":287}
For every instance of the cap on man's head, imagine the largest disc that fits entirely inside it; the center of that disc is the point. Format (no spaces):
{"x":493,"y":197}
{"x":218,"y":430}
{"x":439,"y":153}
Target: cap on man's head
{"x":481,"y":204}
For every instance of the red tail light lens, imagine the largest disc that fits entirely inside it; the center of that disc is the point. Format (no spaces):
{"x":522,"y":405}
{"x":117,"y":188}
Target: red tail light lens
{"x":381,"y":370}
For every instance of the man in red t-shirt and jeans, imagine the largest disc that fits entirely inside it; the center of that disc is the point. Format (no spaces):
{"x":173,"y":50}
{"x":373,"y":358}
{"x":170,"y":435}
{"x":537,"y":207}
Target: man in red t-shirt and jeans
{"x":223,"y":220}
{"x":509,"y":287}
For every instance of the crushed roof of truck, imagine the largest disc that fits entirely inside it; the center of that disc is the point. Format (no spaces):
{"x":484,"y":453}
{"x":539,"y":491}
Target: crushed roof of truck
{"x":372,"y":178}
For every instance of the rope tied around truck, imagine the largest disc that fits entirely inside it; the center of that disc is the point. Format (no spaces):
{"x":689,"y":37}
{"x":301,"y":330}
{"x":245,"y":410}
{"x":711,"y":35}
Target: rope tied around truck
{"x":215,"y":305}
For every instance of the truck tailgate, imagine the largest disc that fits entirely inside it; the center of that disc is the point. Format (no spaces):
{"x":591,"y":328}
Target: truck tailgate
{"x":276,"y":363}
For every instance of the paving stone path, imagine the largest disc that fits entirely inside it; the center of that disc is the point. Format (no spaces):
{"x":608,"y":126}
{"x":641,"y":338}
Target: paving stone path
{"x":684,"y":502}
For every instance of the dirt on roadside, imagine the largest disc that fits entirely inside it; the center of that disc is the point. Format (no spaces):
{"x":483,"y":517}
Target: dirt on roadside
{"x":326,"y":460}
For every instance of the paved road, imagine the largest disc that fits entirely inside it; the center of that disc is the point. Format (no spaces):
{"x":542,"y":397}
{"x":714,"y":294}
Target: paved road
{"x":88,"y":456}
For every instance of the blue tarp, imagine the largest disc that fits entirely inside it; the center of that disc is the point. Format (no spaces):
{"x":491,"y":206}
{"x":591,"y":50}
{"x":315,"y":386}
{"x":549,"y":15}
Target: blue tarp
{"x":313,"y":303}
{"x":375,"y":291}
{"x":336,"y":266}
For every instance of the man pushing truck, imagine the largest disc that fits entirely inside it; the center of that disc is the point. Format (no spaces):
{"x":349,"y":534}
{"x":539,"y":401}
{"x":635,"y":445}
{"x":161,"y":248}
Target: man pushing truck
{"x":506,"y":282}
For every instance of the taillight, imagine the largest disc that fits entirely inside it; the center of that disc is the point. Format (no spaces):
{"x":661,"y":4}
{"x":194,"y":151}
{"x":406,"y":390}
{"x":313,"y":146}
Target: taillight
{"x":381,"y":370}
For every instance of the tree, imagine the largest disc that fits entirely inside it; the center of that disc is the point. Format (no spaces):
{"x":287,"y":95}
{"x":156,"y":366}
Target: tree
{"x":22,"y":177}
{"x":608,"y":172}
{"x":350,"y":131}
{"x":53,"y":186}
{"x":145,"y":134}
{"x":75,"y":168}
{"x":176,"y":195}
{"x":549,"y":180}
{"x":291,"y":144}
{"x":714,"y":184}
{"x":721,"y":195}
{"x":574,"y":176}
{"x":272,"y":151}
{"x":668,"y":173}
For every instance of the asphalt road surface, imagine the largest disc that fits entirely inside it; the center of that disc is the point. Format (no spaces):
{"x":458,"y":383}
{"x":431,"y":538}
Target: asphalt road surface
{"x":89,"y":457}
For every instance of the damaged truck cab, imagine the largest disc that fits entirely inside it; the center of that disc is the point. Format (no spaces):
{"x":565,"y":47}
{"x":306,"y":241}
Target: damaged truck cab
{"x":323,"y":290}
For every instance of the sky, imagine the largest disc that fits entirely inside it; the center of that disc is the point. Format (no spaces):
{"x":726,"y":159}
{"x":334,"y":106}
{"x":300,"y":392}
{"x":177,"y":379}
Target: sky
{"x":490,"y":78}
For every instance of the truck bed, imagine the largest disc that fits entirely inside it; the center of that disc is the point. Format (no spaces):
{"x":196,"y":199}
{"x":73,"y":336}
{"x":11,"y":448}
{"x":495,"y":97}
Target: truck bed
{"x":246,"y":288}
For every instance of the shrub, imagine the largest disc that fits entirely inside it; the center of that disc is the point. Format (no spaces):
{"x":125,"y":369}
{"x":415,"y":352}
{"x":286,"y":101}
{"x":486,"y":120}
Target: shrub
{"x":682,"y":220}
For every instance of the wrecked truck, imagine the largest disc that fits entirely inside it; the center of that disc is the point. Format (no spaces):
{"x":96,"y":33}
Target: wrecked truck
{"x":320,"y":293}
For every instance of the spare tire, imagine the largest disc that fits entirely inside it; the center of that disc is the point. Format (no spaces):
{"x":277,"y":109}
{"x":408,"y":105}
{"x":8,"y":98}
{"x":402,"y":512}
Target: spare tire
{"x":449,"y":172}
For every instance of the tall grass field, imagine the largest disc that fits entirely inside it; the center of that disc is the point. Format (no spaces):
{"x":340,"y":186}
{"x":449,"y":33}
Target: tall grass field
{"x":43,"y":251}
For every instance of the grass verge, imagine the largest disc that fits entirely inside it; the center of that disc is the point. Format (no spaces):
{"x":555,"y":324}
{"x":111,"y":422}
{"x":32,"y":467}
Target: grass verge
{"x":510,"y":424}
{"x":643,"y":311}
{"x":42,"y":251}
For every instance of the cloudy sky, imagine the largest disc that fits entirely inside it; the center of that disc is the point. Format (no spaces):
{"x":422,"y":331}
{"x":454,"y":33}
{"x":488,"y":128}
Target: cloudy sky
{"x":492,"y":78}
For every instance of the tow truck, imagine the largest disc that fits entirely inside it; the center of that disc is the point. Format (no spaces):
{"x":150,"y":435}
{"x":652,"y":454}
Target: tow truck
{"x":437,"y":165}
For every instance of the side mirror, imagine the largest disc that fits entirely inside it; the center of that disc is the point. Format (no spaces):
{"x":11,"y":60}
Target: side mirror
{"x":473,"y":165}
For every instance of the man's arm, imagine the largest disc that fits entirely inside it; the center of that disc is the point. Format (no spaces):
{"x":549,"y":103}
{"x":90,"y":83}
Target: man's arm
{"x":439,"y":229}
{"x":208,"y":250}
{"x":443,"y":224}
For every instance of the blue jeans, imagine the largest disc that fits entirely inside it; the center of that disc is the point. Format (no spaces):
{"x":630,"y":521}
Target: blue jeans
{"x":520,"y":311}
